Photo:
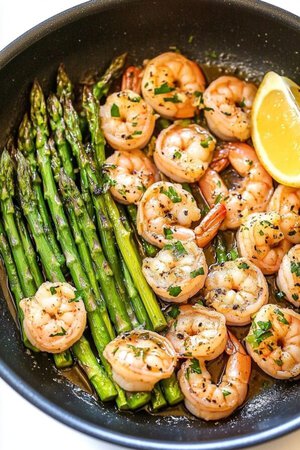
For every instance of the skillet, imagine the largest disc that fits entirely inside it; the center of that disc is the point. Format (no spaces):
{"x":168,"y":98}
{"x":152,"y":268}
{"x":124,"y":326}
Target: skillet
{"x":250,"y":38}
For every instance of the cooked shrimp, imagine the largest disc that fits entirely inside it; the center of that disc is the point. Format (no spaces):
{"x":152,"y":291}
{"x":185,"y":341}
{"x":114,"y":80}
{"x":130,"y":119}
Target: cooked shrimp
{"x":166,"y":211}
{"x":177,"y":272}
{"x":236,"y":289}
{"x":210,"y":225}
{"x":261,"y":240}
{"x":171,"y":84}
{"x":286,"y":201}
{"x":198,"y":332}
{"x":184,"y":153}
{"x":55,"y":318}
{"x":228,"y":103}
{"x":127,"y":121}
{"x":288,"y":278}
{"x":273,"y":341}
{"x":132,"y":79}
{"x":207,"y":400}
{"x":140,"y":359}
{"x":251,"y":194}
{"x":130,"y":174}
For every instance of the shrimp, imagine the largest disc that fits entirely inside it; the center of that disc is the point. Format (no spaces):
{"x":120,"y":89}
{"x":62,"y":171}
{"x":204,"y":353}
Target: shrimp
{"x":288,"y":277}
{"x":228,"y":102}
{"x":198,"y":332}
{"x":167,"y":211}
{"x":139,"y":359}
{"x":286,"y":201}
{"x":210,"y":225}
{"x":55,"y":318}
{"x":132,"y":79}
{"x":177,"y":272}
{"x":129,"y":174}
{"x":207,"y":400}
{"x":236,"y":289}
{"x":171,"y":85}
{"x":261,"y":240}
{"x":273,"y":341}
{"x":184,"y":153}
{"x":252,"y":193}
{"x":127,"y":121}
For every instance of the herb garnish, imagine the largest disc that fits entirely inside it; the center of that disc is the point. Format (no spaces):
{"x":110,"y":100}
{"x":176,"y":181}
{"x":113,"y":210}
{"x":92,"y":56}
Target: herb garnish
{"x":295,"y":268}
{"x":197,"y":272}
{"x":177,"y":249}
{"x":174,"y":291}
{"x":260,"y":331}
{"x":172,"y":194}
{"x":168,"y":233}
{"x":61,"y":333}
{"x":281,"y":318}
{"x":163,"y":89}
{"x":243,"y":265}
{"x":114,"y":111}
{"x":53,"y":290}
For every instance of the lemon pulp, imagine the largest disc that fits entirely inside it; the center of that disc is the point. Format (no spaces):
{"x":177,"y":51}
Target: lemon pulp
{"x":278,"y":122}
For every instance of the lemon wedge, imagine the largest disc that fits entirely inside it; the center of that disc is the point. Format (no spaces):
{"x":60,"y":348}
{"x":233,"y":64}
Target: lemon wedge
{"x":276,"y":128}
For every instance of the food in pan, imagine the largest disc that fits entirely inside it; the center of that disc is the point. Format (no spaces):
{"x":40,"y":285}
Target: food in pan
{"x":144,"y":236}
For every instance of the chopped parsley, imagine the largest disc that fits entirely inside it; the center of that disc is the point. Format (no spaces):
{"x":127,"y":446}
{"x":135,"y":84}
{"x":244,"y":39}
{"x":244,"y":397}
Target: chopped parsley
{"x":177,"y":249}
{"x":53,"y":290}
{"x":260,"y":331}
{"x":195,"y":366}
{"x":225,"y":392}
{"x":295,"y":268}
{"x":212,"y":54}
{"x":168,"y":233}
{"x":61,"y":333}
{"x":177,"y":154}
{"x":242,"y":104}
{"x":174,"y":311}
{"x":243,"y":265}
{"x":190,"y":39}
{"x":136,"y":99}
{"x":139,"y":351}
{"x":78,"y":296}
{"x":172,"y":194}
{"x":280,"y":316}
{"x":280,"y":295}
{"x":218,"y":198}
{"x":279,"y":362}
{"x":137,"y":133}
{"x":206,"y":142}
{"x":197,"y":272}
{"x":295,"y":296}
{"x":114,"y":111}
{"x":163,"y":89}
{"x":174,"y":291}
{"x":174,"y":99}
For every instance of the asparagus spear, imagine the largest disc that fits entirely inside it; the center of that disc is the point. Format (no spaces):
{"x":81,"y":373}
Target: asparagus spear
{"x":64,"y":85}
{"x":220,"y":249}
{"x":96,"y":374}
{"x":82,"y":247}
{"x":74,"y":137}
{"x":112,"y":72}
{"x":91,"y":108}
{"x":114,"y":303}
{"x":26,"y":146}
{"x":149,"y":249}
{"x":7,"y":208}
{"x":28,"y":248}
{"x":30,"y":209}
{"x":58,"y":128}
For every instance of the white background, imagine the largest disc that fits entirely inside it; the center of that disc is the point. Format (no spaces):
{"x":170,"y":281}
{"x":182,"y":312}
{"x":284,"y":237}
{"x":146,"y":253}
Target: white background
{"x":21,"y":424}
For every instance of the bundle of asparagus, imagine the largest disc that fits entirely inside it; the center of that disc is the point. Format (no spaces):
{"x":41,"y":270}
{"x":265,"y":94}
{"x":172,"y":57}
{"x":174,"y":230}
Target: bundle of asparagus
{"x":48,"y":231}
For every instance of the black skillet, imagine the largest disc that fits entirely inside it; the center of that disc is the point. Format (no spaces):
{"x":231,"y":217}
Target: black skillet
{"x":247,"y":36}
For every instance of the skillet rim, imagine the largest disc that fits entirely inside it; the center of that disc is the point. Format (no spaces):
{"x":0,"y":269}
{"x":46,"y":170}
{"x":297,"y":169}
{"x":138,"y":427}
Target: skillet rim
{"x":12,"y":51}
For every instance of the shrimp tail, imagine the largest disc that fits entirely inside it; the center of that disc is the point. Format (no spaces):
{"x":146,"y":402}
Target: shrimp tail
{"x":220,"y":159}
{"x":239,"y":363}
{"x":210,"y":225}
{"x":132,"y":79}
